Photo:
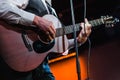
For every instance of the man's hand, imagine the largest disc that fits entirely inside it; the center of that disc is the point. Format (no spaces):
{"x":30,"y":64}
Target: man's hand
{"x":85,"y":32}
{"x":46,"y":27}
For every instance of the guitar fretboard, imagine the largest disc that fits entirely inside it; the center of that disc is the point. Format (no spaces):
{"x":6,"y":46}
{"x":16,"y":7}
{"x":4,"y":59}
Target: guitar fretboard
{"x":69,"y":29}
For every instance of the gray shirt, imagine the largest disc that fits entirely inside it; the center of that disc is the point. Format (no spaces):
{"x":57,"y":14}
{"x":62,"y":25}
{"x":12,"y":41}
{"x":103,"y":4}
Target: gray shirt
{"x":13,"y":12}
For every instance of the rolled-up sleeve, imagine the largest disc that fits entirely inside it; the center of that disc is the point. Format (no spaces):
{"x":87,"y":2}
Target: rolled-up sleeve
{"x":12,"y":14}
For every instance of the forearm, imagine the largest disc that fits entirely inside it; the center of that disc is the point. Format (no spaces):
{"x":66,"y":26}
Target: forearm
{"x":13,"y":14}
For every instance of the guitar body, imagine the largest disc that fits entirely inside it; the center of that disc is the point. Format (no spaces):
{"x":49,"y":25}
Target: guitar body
{"x":15,"y":53}
{"x":19,"y":58}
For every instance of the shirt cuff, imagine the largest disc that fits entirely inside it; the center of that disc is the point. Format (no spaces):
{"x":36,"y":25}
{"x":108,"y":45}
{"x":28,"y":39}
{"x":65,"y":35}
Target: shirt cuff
{"x":20,"y":16}
{"x":26,"y":18}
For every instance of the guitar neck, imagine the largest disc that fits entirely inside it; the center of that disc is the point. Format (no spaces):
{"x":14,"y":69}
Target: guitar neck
{"x":69,"y":29}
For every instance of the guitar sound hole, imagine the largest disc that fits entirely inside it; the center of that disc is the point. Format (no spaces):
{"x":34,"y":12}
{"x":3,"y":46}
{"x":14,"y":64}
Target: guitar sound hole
{"x":40,"y":47}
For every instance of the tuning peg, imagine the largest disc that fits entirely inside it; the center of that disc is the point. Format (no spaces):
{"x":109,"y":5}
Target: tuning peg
{"x":116,"y":20}
{"x":109,"y":25}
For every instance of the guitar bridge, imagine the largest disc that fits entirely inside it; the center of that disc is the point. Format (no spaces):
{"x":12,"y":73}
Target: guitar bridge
{"x":26,"y":41}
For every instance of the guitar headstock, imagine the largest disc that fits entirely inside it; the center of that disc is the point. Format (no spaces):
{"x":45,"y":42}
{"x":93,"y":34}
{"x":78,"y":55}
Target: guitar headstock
{"x":109,"y":21}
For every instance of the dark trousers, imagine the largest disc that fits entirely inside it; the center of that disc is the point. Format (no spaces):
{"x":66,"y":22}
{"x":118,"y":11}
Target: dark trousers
{"x":40,"y":73}
{"x":43,"y":72}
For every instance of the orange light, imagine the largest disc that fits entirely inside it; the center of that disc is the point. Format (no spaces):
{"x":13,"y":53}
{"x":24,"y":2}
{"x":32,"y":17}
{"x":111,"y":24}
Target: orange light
{"x":65,"y":69}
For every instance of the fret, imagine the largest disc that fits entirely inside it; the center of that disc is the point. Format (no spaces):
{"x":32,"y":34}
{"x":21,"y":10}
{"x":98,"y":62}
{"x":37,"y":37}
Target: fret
{"x":69,"y":29}
{"x":78,"y":27}
{"x":59,"y":32}
{"x":96,"y":22}
{"x":66,"y":30}
{"x":99,"y":21}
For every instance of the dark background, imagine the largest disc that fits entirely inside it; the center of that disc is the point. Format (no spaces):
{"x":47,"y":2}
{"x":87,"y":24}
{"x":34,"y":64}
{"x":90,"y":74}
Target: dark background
{"x":94,"y":10}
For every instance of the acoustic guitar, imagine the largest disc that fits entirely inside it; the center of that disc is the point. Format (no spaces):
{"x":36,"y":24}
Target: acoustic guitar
{"x":18,"y":55}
